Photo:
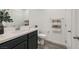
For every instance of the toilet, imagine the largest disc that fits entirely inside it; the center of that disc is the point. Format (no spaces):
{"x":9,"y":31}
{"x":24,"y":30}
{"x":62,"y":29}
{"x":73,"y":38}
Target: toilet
{"x":41,"y":39}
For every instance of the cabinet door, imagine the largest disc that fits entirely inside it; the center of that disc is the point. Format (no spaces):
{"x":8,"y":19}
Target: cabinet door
{"x":25,"y":45}
{"x":32,"y":43}
{"x":14,"y":43}
{"x":21,"y":46}
{"x":32,"y":40}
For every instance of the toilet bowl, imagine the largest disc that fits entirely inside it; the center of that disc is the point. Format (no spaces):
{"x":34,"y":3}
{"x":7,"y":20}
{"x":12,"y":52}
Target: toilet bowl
{"x":41,"y":35}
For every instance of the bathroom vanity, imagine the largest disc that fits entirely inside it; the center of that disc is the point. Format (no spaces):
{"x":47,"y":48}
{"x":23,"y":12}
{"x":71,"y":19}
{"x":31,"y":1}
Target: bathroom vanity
{"x":21,"y":39}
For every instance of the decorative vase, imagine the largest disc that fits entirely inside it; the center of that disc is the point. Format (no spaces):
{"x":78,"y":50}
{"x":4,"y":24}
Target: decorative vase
{"x":1,"y":28}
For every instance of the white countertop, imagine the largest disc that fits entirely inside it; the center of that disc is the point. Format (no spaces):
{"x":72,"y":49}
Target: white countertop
{"x":11,"y":35}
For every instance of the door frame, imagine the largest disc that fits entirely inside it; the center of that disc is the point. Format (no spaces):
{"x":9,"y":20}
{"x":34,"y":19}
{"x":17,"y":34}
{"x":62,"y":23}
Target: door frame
{"x":68,"y":25}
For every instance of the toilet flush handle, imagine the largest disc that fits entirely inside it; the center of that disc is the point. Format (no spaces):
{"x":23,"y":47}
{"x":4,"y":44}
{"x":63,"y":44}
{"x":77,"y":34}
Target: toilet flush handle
{"x":69,"y":31}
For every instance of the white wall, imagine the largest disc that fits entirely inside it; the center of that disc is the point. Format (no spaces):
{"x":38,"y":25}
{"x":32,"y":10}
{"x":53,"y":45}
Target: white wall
{"x":53,"y":36}
{"x":36,"y":17}
{"x":42,"y":18}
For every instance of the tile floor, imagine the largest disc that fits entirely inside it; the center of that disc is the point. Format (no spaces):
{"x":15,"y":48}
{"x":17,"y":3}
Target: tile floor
{"x":49,"y":45}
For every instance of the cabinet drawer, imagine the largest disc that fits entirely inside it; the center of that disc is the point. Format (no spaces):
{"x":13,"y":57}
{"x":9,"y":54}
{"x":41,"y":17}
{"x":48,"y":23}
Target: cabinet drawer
{"x":12,"y":43}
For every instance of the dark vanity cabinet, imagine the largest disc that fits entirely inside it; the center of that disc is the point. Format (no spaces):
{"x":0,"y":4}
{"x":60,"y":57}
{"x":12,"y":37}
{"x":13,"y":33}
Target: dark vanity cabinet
{"x":27,"y":41}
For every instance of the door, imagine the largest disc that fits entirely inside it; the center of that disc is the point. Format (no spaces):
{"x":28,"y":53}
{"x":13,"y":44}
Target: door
{"x":75,"y":29}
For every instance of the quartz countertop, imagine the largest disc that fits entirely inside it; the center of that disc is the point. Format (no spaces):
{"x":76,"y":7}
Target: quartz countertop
{"x":12,"y":35}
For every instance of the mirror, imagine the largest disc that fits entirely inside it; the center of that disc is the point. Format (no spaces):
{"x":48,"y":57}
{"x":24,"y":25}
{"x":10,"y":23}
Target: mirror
{"x":19,"y":16}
